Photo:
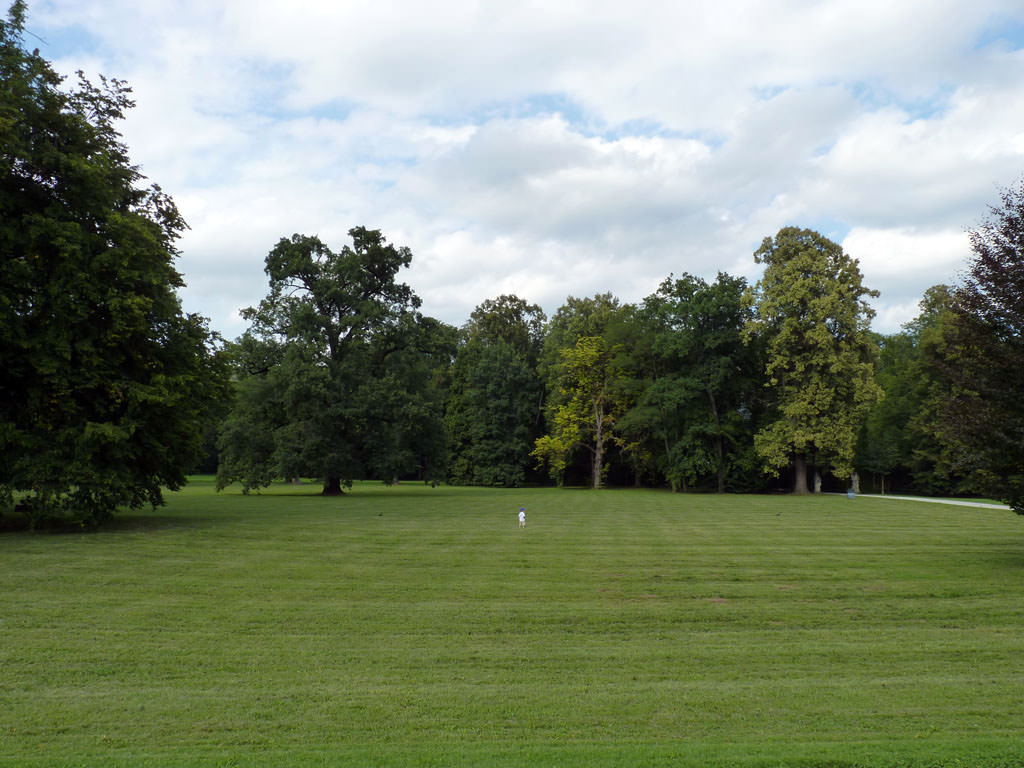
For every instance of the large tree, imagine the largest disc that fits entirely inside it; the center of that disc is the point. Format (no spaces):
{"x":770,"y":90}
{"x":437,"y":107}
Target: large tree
{"x":106,"y":386}
{"x":339,"y":370}
{"x":700,"y":392}
{"x":493,"y":409}
{"x":811,"y":311}
{"x":899,"y":440}
{"x":980,"y":418}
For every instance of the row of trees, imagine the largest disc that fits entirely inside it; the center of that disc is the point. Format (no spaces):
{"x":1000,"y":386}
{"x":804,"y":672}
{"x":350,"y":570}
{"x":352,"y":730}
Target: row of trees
{"x":108,"y":390}
{"x":718,"y":385}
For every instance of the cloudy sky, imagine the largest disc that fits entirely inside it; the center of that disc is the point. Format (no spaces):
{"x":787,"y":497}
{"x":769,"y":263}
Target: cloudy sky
{"x":562,"y":148}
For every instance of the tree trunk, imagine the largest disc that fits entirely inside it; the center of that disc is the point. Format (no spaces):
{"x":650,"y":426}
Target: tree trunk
{"x":332,"y":486}
{"x":671,"y":482}
{"x":720,"y":445}
{"x":800,"y":473}
{"x":598,"y":460}
{"x":719,"y":441}
{"x":598,"y":443}
{"x":817,"y":481}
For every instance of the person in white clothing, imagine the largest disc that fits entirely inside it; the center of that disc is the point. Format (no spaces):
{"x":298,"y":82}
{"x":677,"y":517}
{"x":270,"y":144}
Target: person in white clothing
{"x":522,"y":517}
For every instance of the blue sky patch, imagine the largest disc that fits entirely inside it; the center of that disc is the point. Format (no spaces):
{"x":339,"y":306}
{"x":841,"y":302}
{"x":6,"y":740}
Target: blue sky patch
{"x":1002,"y":31}
{"x":874,"y":96}
{"x":59,"y":42}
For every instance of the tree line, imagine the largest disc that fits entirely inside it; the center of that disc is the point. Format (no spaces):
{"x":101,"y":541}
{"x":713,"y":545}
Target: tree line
{"x":710,"y":385}
{"x":110,"y":393}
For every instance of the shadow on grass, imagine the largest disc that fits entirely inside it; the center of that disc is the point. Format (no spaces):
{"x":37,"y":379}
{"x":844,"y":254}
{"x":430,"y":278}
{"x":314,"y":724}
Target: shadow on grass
{"x":124,"y":523}
{"x":367,"y":491}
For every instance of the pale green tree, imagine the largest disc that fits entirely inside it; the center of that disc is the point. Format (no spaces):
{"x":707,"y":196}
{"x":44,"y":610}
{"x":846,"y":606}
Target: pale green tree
{"x":587,"y":408}
{"x":811,"y":312}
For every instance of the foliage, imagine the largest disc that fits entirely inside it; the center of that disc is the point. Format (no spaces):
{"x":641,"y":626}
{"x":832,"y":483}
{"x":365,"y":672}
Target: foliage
{"x":587,"y":410}
{"x":811,"y":312}
{"x":885,"y":446}
{"x":695,"y":410}
{"x":493,"y":409}
{"x":979,"y":420}
{"x":106,"y":385}
{"x":899,"y":443}
{"x":491,"y":417}
{"x":589,"y":316}
{"x":586,"y":318}
{"x":338,"y":371}
{"x":511,"y":320}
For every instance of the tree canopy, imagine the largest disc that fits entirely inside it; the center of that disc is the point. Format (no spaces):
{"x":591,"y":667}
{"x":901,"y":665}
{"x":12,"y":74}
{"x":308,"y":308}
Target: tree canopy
{"x":702,"y":378}
{"x":979,"y":416}
{"x":585,"y":399}
{"x":106,"y":385}
{"x":336,"y":370}
{"x":811,"y":310}
{"x":494,"y":404}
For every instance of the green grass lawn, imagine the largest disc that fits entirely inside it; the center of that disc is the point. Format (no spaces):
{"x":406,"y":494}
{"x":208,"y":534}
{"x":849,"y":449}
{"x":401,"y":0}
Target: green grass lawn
{"x":411,"y":626}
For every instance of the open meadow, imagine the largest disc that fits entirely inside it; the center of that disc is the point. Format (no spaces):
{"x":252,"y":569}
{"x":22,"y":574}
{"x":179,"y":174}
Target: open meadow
{"x":417,"y":626}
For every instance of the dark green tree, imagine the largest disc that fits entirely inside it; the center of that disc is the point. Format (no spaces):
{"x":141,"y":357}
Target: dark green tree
{"x":106,"y":386}
{"x":898,"y":444}
{"x":885,"y":446}
{"x":812,"y":314}
{"x":702,"y":381}
{"x":980,"y":420}
{"x":339,"y":371}
{"x":493,"y":409}
{"x":511,"y":320}
{"x":491,"y":416}
{"x":935,"y":467}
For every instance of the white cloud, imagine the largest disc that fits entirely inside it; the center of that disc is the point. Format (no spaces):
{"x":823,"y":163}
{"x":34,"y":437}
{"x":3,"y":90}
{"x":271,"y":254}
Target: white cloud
{"x":566,"y":148}
{"x":903,"y":263}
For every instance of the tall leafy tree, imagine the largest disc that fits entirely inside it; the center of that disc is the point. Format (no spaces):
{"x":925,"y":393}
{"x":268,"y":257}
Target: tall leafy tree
{"x":582,"y":373}
{"x":587,"y":410}
{"x":342,"y":367}
{"x":885,"y":445}
{"x":936,"y":467}
{"x":811,"y":310}
{"x":702,"y":377}
{"x":491,"y":416}
{"x":980,"y":422}
{"x":898,"y":444}
{"x":105,"y":384}
{"x":493,"y":409}
{"x":578,"y":317}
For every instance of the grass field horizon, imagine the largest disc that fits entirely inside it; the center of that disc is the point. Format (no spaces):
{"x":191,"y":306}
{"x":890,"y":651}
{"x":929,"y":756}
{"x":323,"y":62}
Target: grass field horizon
{"x":411,"y":625}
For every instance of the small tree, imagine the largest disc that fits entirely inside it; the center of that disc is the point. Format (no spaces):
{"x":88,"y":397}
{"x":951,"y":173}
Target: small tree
{"x":587,"y":410}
